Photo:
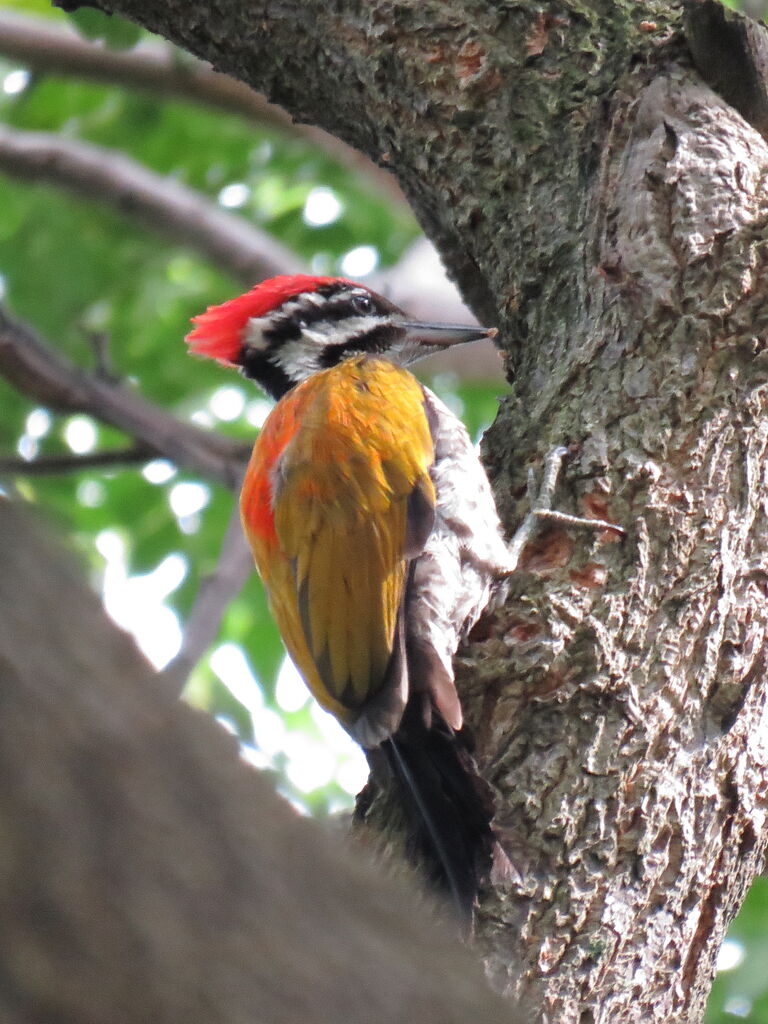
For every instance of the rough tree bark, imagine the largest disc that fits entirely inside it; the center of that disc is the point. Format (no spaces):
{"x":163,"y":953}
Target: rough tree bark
{"x":601,"y":203}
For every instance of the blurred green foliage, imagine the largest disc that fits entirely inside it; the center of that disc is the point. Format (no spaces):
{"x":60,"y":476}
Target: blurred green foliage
{"x":77,"y":270}
{"x":740,"y":991}
{"x":754,"y":8}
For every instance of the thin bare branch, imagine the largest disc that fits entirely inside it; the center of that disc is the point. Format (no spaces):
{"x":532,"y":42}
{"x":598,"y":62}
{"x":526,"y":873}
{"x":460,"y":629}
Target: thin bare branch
{"x":419,"y":284}
{"x":102,"y":359}
{"x":160,"y":203}
{"x":47,"y":46}
{"x":233,"y":568}
{"x":48,"y":465}
{"x":37,"y":370}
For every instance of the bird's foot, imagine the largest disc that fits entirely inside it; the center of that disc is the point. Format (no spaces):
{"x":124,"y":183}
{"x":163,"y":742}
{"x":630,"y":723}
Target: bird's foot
{"x":541,"y":507}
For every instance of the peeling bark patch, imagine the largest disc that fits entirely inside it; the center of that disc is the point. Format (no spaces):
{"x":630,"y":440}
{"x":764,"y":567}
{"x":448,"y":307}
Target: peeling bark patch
{"x":470,"y":60}
{"x":548,"y":684}
{"x":595,"y":506}
{"x":551,"y":550}
{"x":521,"y":631}
{"x":538,"y":38}
{"x":611,"y":271}
{"x":592,"y":575}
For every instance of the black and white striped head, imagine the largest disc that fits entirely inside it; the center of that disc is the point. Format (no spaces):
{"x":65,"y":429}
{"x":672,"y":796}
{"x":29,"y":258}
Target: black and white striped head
{"x":287,"y":328}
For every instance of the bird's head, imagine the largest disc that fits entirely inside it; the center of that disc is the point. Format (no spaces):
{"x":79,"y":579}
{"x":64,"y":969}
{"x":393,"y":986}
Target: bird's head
{"x":289,"y":327}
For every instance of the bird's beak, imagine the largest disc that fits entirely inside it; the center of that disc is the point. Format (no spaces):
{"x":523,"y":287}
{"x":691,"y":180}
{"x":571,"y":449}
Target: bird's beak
{"x":443,"y":335}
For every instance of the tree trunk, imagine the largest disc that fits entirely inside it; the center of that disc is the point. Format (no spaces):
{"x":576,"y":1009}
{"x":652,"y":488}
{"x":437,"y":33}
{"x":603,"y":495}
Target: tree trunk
{"x":607,"y":209}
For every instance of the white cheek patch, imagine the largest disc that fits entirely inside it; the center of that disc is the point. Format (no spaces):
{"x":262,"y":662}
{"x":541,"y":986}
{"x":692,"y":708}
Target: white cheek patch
{"x":335,"y":332}
{"x":297,"y":358}
{"x":314,"y":337}
{"x":253,"y":335}
{"x":304,"y":356}
{"x":300,"y":357}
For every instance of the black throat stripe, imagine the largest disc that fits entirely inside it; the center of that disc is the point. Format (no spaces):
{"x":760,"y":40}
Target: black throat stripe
{"x":257,"y":366}
{"x":372,"y":341}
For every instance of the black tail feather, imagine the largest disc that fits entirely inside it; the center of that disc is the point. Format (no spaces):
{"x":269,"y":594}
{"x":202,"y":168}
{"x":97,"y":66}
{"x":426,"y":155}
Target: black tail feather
{"x":447,"y":806}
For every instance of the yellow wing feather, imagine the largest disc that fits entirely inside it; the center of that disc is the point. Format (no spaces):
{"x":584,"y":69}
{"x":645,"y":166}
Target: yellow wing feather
{"x":355,"y":445}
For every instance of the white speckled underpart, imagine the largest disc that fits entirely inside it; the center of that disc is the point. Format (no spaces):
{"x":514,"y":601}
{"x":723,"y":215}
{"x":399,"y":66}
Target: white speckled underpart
{"x":465,"y":553}
{"x":453,"y":577}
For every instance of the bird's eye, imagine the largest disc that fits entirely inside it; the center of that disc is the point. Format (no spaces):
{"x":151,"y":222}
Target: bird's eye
{"x":362,"y":304}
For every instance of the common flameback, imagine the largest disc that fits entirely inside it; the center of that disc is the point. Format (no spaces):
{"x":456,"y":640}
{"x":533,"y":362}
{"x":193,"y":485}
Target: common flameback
{"x":375,"y":532}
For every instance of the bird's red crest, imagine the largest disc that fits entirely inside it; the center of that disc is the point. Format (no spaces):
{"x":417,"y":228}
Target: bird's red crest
{"x":218,"y":331}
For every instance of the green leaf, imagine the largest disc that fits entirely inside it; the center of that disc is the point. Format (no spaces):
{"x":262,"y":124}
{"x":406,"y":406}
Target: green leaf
{"x":117,"y":33}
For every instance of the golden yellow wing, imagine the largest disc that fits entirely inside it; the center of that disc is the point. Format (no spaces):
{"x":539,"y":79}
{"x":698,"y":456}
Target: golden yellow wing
{"x":336,"y":499}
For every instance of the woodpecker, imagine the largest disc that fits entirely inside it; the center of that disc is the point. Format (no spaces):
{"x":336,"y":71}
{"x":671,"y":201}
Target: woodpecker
{"x":375,"y":532}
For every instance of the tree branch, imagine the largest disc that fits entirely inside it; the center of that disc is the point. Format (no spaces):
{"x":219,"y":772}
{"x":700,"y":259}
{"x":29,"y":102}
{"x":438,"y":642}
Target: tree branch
{"x":233,"y":568}
{"x":159,"y":203}
{"x":730,"y":51}
{"x":249,"y":254}
{"x":51,"y":47}
{"x":37,"y":370}
{"x":51,"y":464}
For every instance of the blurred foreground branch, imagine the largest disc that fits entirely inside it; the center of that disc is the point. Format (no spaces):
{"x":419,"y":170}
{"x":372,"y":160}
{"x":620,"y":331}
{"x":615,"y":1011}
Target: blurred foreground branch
{"x":156,"y":876}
